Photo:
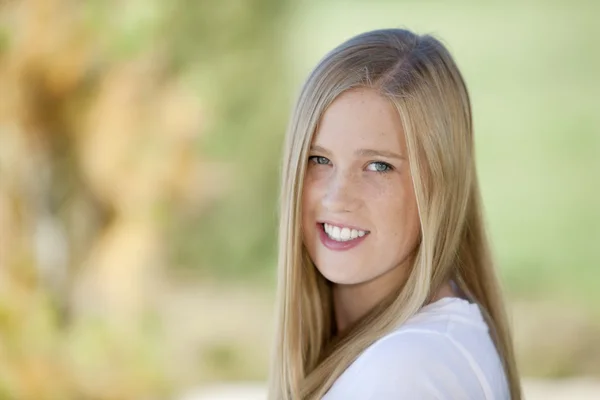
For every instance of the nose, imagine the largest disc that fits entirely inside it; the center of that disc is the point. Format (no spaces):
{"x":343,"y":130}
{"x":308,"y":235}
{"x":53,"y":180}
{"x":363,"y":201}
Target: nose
{"x":341,"y":193}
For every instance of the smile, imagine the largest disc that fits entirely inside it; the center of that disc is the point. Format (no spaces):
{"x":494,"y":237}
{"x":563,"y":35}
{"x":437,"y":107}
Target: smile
{"x":342,"y":234}
{"x":340,"y":238}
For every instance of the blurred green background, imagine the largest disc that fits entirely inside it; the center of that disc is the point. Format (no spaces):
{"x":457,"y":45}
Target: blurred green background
{"x":139,"y":149}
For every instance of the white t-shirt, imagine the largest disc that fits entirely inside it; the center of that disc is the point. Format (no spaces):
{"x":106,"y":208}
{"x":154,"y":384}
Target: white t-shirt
{"x":443,"y":352}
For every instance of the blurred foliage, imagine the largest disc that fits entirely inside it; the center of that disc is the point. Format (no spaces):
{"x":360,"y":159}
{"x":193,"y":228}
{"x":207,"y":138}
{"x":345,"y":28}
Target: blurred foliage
{"x":230,"y":57}
{"x":235,"y":58}
{"x":106,"y":170}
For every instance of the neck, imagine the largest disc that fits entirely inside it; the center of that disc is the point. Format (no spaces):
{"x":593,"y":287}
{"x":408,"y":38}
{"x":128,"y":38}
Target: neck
{"x":352,"y":302}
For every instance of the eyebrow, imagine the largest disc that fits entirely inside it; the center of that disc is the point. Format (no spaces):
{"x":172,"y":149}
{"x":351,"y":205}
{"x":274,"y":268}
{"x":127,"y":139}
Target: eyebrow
{"x":363,"y":152}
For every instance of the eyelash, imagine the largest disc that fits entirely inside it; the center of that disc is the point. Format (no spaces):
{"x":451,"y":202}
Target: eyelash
{"x":389,"y":168}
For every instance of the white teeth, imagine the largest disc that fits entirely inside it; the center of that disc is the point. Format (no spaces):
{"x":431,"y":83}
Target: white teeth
{"x":342,"y":234}
{"x":345,"y":234}
{"x":336,"y":232}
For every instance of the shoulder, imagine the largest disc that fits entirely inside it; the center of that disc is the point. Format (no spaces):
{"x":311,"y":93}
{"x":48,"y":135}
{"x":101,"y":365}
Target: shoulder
{"x":410,"y":347}
{"x":416,"y":362}
{"x":432,"y":358}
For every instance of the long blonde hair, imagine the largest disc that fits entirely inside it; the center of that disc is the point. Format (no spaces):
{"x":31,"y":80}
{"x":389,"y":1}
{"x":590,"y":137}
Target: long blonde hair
{"x":418,"y":75}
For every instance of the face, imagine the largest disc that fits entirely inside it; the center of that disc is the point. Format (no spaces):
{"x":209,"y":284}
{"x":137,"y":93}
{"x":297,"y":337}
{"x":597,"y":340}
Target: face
{"x":360,"y":220}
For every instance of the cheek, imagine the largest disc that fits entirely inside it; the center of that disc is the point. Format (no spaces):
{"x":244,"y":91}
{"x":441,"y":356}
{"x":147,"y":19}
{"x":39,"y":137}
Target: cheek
{"x":308,"y":203}
{"x":307,"y":195}
{"x":312,"y":187}
{"x":398,"y":213}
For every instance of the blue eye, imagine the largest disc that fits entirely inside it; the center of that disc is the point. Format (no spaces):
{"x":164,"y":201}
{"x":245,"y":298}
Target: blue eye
{"x":380,"y":167}
{"x":318,"y":160}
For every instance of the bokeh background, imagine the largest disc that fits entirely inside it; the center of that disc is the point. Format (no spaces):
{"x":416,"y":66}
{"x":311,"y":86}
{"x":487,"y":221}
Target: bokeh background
{"x":139,"y":150}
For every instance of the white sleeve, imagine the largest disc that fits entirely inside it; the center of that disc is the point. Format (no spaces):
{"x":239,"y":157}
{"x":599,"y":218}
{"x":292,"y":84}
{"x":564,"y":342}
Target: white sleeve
{"x":414,"y":365}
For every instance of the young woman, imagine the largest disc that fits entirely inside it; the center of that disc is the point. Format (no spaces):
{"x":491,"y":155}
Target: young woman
{"x":386,"y":285}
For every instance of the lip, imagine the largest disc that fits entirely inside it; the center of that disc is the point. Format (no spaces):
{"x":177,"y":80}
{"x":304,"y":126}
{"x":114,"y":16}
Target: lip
{"x":335,"y":245}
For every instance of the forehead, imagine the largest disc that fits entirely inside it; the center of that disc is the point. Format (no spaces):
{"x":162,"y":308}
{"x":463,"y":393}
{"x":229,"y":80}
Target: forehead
{"x":358,"y":118}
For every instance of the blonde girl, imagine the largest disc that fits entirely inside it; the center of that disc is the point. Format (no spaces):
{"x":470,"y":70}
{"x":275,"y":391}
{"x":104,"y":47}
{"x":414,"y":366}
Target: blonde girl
{"x":386,"y":286}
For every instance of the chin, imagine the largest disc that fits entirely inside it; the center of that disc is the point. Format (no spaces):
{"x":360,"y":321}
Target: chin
{"x":340,"y":276}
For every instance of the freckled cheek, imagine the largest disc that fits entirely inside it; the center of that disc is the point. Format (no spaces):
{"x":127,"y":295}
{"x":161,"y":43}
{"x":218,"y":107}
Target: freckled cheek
{"x":373,"y":194}
{"x":394,"y":210}
{"x":310,"y":188}
{"x":315,"y":185}
{"x":311,"y":197}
